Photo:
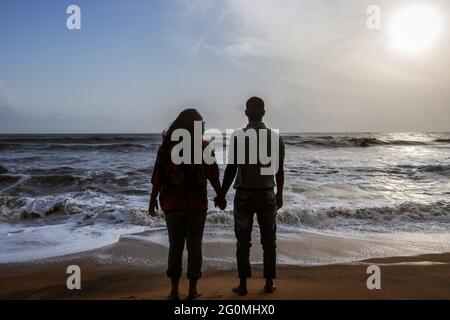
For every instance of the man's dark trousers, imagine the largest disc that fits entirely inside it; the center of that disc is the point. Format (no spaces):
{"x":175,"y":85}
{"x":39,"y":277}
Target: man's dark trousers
{"x":247,"y":203}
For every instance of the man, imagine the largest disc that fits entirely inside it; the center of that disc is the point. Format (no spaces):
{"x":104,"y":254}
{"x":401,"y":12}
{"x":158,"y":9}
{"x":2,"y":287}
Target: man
{"x":255,"y":192}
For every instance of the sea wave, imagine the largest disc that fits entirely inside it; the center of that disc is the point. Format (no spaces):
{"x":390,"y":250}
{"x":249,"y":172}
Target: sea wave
{"x":407,"y":211}
{"x":20,"y":208}
{"x":413,"y":171}
{"x":38,"y":184}
{"x":42,"y":182}
{"x":144,"y":141}
{"x":124,"y":147}
{"x":439,"y":169}
{"x":53,"y":170}
{"x":3,"y":170}
{"x":339,"y":142}
{"x":10,"y":146}
{"x":95,"y":138}
{"x":7,"y":180}
{"x":119,"y":147}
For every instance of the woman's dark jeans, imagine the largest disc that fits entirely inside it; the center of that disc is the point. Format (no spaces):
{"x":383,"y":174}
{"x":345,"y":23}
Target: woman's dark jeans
{"x":185,"y":226}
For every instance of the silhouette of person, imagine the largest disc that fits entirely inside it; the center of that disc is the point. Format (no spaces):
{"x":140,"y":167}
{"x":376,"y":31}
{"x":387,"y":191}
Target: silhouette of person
{"x":254,"y":194}
{"x":182,"y":190}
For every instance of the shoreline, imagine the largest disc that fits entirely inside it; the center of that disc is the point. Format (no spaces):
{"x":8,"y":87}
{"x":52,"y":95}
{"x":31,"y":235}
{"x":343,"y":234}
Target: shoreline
{"x":425,"y":276}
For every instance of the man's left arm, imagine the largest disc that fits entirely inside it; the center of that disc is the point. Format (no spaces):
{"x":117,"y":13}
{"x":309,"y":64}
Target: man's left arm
{"x":279,"y":177}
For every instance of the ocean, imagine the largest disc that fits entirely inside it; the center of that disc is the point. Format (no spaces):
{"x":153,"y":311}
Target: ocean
{"x":348,"y":196}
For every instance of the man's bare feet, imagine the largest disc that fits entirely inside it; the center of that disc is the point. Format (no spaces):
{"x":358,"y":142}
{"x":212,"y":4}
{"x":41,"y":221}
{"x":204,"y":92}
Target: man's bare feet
{"x":193,"y":293}
{"x":241,"y":291}
{"x":269,"y":287}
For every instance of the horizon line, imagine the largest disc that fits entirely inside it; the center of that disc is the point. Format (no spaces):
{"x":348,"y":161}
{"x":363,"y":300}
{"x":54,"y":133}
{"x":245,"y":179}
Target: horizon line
{"x":286,"y":132}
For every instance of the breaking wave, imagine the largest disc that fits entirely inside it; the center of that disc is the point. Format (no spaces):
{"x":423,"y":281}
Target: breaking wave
{"x":407,"y":211}
{"x":20,"y":208}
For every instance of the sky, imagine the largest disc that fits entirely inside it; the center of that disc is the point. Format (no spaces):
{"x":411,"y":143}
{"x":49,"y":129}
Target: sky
{"x":135,"y":64}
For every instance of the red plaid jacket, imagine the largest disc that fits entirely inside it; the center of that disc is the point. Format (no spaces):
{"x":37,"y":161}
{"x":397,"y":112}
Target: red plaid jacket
{"x":183,"y":186}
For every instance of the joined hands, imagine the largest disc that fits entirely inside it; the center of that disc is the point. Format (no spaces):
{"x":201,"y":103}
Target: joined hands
{"x":220,"y":201}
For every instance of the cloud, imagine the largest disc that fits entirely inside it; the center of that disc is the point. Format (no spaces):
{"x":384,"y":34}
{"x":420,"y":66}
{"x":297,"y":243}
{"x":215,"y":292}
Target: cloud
{"x":209,"y":31}
{"x":321,"y":39}
{"x":6,"y":98}
{"x":11,"y":118}
{"x":319,"y":58}
{"x":289,"y":31}
{"x":8,"y":106}
{"x":7,"y":114}
{"x":314,"y":62}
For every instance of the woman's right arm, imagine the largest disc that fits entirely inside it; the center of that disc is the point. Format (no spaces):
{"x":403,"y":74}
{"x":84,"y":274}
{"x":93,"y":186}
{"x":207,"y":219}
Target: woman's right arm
{"x":156,"y":182}
{"x":153,"y":206}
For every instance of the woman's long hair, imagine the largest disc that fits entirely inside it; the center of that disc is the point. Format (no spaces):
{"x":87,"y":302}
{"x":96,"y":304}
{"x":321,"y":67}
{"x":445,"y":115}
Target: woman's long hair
{"x":185,"y":120}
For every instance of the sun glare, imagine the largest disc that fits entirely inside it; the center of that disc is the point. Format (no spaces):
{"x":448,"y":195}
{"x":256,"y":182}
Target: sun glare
{"x":415,"y":28}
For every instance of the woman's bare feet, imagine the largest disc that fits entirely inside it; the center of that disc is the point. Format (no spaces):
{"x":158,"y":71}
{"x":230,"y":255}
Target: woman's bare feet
{"x":241,"y":291}
{"x":194,"y":295}
{"x":173,"y":297}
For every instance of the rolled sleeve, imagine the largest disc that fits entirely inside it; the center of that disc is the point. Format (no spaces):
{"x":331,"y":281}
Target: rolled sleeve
{"x":157,"y":172}
{"x":211,"y":170}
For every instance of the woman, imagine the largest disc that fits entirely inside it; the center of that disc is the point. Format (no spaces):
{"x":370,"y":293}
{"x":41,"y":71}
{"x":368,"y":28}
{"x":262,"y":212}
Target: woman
{"x":183,"y":198}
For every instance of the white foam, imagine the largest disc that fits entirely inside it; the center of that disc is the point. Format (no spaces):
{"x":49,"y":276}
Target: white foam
{"x":29,"y":243}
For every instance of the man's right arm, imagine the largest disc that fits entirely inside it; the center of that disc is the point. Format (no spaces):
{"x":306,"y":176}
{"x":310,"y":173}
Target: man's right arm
{"x":228,"y":178}
{"x":231,"y":169}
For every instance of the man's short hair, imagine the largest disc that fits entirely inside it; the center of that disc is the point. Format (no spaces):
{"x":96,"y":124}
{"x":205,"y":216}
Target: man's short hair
{"x":255,"y":109}
{"x":255,"y":104}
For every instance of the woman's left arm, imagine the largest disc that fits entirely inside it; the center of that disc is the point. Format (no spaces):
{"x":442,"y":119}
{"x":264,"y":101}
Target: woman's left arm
{"x":213,"y":175}
{"x":215,"y":183}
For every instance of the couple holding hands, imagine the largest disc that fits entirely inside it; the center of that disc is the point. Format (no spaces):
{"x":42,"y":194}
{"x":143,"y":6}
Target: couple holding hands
{"x":182,"y":191}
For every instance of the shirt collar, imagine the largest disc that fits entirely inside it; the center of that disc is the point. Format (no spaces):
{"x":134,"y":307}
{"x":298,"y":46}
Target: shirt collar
{"x":256,"y":125}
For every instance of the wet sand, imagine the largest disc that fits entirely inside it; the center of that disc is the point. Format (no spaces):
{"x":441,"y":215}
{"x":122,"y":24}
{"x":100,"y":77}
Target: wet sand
{"x":416,"y":277}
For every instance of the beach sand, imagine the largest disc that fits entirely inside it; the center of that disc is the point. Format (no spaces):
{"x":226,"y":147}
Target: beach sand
{"x":416,"y":277}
